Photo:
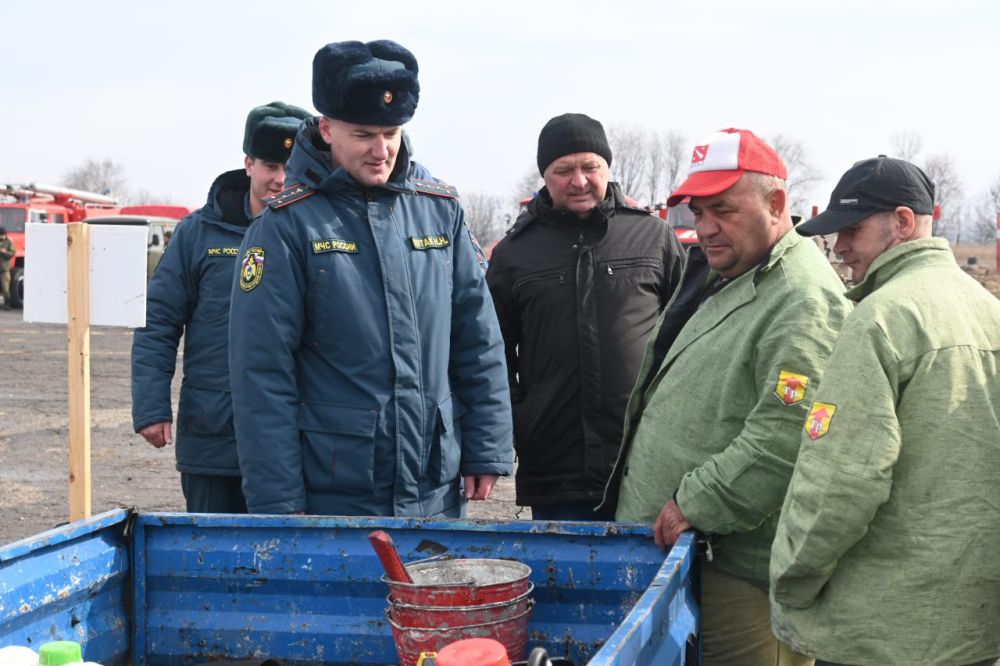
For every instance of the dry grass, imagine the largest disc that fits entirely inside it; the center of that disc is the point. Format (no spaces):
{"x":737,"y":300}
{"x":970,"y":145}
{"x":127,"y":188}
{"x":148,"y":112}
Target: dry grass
{"x":984,"y":268}
{"x":986,"y":255}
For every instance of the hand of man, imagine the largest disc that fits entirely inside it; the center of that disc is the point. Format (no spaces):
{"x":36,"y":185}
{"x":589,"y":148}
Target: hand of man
{"x":158,"y":434}
{"x":479,"y":486}
{"x":669,"y":525}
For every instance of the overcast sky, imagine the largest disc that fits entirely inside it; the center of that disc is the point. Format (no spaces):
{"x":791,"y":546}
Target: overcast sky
{"x":163,"y":88}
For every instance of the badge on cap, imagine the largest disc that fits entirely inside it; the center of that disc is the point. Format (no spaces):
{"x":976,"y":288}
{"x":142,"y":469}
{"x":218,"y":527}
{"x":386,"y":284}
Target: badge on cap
{"x":252,"y":268}
{"x":791,"y":388}
{"x":387,"y":97}
{"x":287,"y":142}
{"x":818,"y":421}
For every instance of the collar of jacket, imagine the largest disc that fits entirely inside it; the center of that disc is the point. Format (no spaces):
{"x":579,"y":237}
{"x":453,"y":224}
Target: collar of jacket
{"x":541,"y":208}
{"x":310,"y":164}
{"x":784,"y":244}
{"x":224,"y":207}
{"x":899,"y":259}
{"x":737,"y":293}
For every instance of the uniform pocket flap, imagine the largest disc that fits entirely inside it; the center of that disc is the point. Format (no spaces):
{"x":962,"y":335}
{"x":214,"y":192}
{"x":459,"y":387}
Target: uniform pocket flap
{"x":320,"y":417}
{"x":450,"y":411}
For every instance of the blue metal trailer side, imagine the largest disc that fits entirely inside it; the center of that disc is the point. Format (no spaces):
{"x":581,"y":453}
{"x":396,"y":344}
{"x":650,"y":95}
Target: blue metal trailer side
{"x":182,"y":588}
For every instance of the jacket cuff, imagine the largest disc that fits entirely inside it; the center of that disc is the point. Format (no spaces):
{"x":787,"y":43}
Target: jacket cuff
{"x":139,"y":425}
{"x":474,"y":469}
{"x":699,"y":516}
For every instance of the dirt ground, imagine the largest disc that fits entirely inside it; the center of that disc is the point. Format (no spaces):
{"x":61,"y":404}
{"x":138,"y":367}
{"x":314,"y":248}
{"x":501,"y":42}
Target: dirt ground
{"x":126,"y":471}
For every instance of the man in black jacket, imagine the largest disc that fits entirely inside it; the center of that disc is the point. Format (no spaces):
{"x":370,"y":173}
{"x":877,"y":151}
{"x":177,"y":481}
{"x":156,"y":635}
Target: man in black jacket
{"x":578,"y":285}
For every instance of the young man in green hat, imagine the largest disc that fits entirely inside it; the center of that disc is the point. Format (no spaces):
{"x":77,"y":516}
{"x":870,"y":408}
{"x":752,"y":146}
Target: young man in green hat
{"x":188,"y":296}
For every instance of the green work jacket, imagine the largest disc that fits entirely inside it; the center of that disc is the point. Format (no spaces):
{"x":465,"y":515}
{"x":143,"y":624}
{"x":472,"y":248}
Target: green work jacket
{"x":888,"y":548}
{"x":718,"y":421}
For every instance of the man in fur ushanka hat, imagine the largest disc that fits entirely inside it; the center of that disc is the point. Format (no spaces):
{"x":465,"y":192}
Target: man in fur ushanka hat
{"x":368,"y":366}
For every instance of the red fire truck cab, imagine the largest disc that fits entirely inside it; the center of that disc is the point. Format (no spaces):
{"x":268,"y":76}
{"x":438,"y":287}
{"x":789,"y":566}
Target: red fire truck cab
{"x":21,"y":204}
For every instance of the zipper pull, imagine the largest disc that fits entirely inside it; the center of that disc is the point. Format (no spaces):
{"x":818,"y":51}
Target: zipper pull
{"x":562,"y":278}
{"x":610,"y":272}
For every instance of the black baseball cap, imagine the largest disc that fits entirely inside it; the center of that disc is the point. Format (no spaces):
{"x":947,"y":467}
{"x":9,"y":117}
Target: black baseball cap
{"x":873,"y":186}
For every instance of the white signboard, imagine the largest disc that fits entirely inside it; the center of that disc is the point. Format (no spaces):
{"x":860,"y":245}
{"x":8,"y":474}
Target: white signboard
{"x":117,"y":274}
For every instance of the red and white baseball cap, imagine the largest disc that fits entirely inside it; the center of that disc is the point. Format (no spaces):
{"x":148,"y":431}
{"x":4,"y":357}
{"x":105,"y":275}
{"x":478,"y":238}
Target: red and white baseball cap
{"x":722,"y":158}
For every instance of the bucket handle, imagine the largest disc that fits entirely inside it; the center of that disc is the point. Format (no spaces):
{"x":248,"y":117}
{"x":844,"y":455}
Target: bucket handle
{"x":440,"y":557}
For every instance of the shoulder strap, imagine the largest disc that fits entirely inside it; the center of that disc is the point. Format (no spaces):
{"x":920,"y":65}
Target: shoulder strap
{"x":435,"y":188}
{"x":289,"y":195}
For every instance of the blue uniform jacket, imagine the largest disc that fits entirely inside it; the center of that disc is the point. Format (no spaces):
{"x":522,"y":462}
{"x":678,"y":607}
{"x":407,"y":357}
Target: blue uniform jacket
{"x":189,"y":295}
{"x":368,"y":370}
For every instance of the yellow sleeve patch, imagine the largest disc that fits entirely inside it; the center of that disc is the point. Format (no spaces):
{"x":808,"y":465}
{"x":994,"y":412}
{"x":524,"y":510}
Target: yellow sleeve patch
{"x":791,"y":388}
{"x":252,"y":268}
{"x":819,"y":419}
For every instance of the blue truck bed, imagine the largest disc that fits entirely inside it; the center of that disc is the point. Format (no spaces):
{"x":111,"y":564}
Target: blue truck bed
{"x":166,"y":588}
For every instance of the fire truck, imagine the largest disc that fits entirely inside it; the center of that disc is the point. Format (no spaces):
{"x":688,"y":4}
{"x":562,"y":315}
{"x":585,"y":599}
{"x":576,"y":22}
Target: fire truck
{"x":20,"y":204}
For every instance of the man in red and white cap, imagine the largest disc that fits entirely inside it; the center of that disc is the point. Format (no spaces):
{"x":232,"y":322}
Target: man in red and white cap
{"x":713,"y":426}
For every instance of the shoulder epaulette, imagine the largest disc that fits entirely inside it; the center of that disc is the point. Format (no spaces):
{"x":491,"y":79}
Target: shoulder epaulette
{"x":434,"y":188}
{"x":289,"y":195}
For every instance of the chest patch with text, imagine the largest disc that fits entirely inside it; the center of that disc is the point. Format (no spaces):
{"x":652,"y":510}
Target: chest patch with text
{"x":429,"y":242}
{"x":334,"y":245}
{"x":223,"y":252}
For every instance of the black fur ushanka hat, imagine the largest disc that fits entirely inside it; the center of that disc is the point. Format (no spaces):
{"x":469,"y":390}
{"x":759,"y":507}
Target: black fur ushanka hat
{"x":368,"y":84}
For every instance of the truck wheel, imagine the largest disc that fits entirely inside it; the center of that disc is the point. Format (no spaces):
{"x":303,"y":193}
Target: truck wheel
{"x":17,"y":288}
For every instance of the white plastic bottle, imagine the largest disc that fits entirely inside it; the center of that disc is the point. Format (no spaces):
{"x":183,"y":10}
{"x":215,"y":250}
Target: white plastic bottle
{"x":17,"y":655}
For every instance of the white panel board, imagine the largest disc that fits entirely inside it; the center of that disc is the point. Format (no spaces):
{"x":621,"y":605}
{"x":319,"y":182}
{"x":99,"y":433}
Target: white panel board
{"x":118,"y":255}
{"x":45,"y":273}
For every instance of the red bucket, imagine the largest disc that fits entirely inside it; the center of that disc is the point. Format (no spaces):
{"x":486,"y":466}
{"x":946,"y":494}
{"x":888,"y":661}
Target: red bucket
{"x":440,"y":617}
{"x":461,"y":582}
{"x":512,"y":633}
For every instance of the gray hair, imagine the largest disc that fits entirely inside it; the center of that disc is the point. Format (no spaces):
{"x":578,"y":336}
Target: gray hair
{"x":763,"y":183}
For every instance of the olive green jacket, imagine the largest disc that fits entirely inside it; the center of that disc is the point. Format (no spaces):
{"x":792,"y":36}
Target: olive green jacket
{"x":7,"y":253}
{"x":888,"y":548}
{"x":719,"y":421}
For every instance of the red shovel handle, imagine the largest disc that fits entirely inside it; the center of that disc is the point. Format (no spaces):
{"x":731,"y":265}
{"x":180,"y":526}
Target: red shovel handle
{"x":386,"y":551}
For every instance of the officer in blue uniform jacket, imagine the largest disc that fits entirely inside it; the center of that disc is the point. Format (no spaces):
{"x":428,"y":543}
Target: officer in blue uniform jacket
{"x":368,"y":370}
{"x":189,"y":295}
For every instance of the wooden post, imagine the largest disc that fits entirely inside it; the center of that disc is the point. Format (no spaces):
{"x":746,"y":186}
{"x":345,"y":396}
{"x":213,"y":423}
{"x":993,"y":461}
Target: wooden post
{"x":78,"y":293}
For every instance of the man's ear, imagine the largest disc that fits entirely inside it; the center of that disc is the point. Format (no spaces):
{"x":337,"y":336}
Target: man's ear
{"x":904,"y":223}
{"x":324,"y":129}
{"x":777,"y":201}
{"x":247,"y":163}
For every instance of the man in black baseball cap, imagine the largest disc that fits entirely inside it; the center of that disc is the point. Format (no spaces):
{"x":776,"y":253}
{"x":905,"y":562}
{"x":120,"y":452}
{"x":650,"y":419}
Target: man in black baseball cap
{"x":896,"y":473}
{"x":878,"y":204}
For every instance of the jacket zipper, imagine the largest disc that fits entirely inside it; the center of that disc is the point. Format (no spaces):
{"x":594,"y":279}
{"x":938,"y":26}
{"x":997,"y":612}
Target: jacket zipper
{"x":535,"y":278}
